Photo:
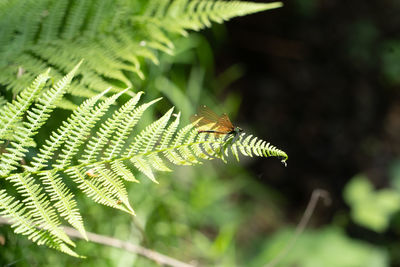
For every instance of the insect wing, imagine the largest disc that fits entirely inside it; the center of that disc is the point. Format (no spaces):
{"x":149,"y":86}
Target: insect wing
{"x":206,"y":119}
{"x":224,"y":124}
{"x":201,"y":123}
{"x":208,"y":114}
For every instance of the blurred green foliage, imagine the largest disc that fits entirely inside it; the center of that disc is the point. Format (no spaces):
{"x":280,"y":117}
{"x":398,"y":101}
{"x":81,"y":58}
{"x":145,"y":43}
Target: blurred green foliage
{"x":390,"y":61}
{"x":371,"y":208}
{"x":328,"y":247}
{"x":211,"y":218}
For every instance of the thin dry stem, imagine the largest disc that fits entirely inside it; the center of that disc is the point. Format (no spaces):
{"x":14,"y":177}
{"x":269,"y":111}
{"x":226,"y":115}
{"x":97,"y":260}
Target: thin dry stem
{"x":161,"y":259}
{"x":316,"y":195}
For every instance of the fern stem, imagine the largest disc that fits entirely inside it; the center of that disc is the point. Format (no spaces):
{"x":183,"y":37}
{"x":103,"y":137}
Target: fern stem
{"x":116,"y":158}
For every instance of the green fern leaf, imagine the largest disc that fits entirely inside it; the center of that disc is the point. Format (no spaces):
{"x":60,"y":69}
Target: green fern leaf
{"x":147,"y":139}
{"x":120,"y":169}
{"x":143,"y":166}
{"x":12,"y":113}
{"x":103,"y":164}
{"x":22,"y":224}
{"x":114,"y":185}
{"x":36,"y":118}
{"x":182,"y":15}
{"x":114,"y":37}
{"x":65,"y":203}
{"x":82,"y":129}
{"x":158,"y":164}
{"x":93,"y":189}
{"x":22,"y":221}
{"x":109,"y":128}
{"x":173,"y":155}
{"x":43,"y":214}
{"x":124,"y":130}
{"x":169,"y":132}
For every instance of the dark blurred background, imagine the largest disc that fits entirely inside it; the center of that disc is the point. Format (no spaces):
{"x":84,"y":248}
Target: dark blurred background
{"x":322,"y":83}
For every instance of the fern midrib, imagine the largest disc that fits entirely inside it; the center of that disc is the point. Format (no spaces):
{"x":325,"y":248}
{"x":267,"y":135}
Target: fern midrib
{"x":116,"y":158}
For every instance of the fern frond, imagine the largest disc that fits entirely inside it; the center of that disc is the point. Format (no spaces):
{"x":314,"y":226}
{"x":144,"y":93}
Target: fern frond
{"x":114,"y":185}
{"x":182,"y":147}
{"x":147,"y":139}
{"x":103,"y":164}
{"x":173,"y":155}
{"x":93,"y":189}
{"x":22,"y":221}
{"x":11,"y":113}
{"x":187,"y":146}
{"x":125,"y":129}
{"x":35,"y":118}
{"x":114,"y":37}
{"x":144,"y":166}
{"x":22,"y":224}
{"x":82,"y":128}
{"x":59,"y":136}
{"x":36,"y":209}
{"x":120,"y":169}
{"x":169,"y":132}
{"x":109,"y":127}
{"x":42,"y":213}
{"x":64,"y":200}
{"x":38,"y":34}
{"x":181,"y":15}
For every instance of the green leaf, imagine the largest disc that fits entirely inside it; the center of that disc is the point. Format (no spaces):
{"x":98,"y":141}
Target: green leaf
{"x":371,"y":208}
{"x":328,"y":247}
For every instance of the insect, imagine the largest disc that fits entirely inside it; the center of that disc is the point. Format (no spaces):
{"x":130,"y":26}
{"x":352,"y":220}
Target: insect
{"x":91,"y":173}
{"x":209,"y":122}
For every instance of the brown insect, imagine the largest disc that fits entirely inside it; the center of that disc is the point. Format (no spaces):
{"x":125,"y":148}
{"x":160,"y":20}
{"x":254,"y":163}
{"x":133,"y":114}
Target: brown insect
{"x":208,"y":122}
{"x":91,"y":173}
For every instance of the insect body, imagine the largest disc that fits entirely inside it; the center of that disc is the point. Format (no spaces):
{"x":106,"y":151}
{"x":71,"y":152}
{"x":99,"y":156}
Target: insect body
{"x":209,"y":122}
{"x":91,"y":173}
